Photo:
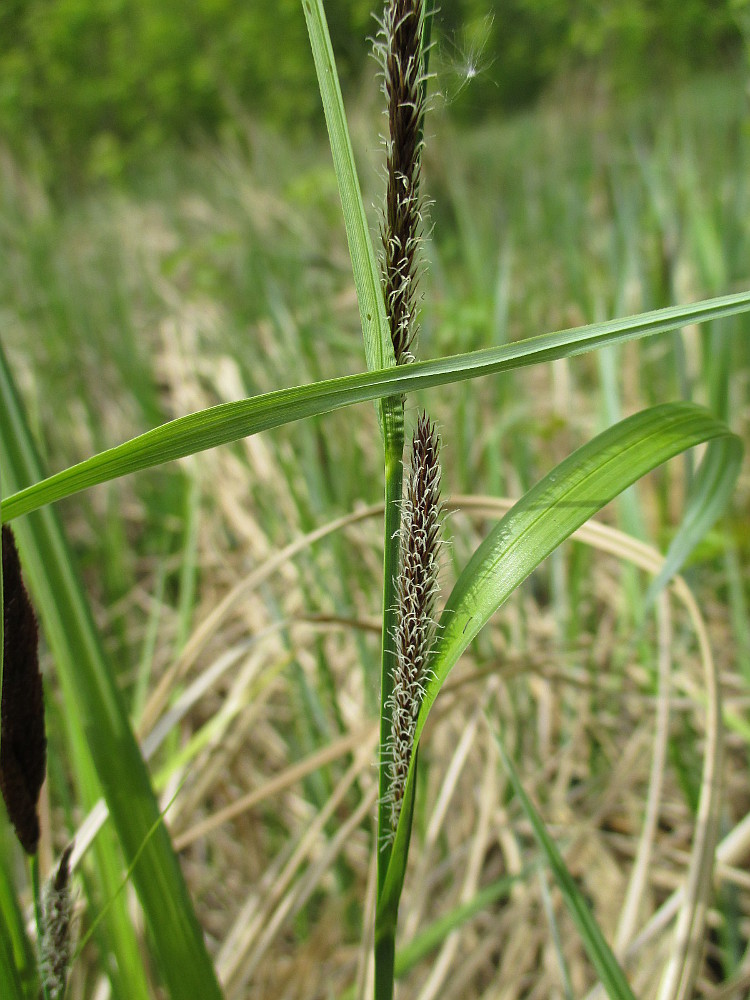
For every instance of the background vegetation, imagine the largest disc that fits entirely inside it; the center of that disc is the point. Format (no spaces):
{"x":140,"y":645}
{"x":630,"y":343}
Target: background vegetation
{"x":90,"y":89}
{"x":171,"y":237}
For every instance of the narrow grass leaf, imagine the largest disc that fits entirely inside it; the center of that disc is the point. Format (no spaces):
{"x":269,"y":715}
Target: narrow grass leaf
{"x":375,"y":329}
{"x":561,"y":502}
{"x":10,"y":978}
{"x":708,"y":498}
{"x":230,"y":421}
{"x":556,"y":939}
{"x":433,"y":935}
{"x":115,"y":935}
{"x":607,"y":967}
{"x":544,"y":517}
{"x":13,"y":929}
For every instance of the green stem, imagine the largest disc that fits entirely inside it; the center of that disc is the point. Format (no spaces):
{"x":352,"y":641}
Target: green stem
{"x":385,"y":959}
{"x":37,"y":892}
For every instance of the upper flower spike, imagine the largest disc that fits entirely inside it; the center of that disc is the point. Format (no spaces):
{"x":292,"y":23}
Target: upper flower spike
{"x":399,"y":47}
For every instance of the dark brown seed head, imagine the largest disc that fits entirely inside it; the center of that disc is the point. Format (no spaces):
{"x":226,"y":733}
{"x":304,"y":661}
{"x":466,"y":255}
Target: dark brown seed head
{"x":23,"y":745}
{"x":417,"y":593}
{"x":399,"y":48}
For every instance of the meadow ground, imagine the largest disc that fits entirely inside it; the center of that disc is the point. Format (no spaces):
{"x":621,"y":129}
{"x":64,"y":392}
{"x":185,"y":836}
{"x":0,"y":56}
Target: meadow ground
{"x":238,"y":591}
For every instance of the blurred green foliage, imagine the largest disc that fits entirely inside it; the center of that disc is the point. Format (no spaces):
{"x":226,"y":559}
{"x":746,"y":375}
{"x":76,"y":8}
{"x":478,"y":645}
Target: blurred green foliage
{"x":100,"y":83}
{"x":90,"y":88}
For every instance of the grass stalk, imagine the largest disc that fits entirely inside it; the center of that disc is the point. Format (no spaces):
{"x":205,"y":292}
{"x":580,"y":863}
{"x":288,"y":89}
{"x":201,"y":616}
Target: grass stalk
{"x":36,"y":891}
{"x":599,"y":952}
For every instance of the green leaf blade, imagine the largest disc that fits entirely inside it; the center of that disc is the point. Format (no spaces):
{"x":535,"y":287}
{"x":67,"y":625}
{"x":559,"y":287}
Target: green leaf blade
{"x":708,"y":499}
{"x":375,"y":329}
{"x":607,"y":967}
{"x":229,"y":422}
{"x":559,"y":504}
{"x":9,"y":975}
{"x":543,"y":518}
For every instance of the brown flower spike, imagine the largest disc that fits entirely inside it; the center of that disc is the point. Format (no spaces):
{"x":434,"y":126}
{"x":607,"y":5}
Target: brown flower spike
{"x":23,"y":745}
{"x":399,"y":50}
{"x":417,"y":593}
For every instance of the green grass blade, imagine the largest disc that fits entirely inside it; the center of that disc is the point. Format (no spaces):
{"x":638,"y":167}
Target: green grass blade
{"x":544,"y":517}
{"x":115,"y":935}
{"x":609,"y":971}
{"x":231,"y":421}
{"x":708,"y":499}
{"x":16,"y":949}
{"x":434,"y":934}
{"x":566,"y":498}
{"x":10,"y":979}
{"x":177,"y":938}
{"x":375,"y":329}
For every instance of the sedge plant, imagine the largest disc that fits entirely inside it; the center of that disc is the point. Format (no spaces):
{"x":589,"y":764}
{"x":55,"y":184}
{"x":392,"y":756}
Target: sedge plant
{"x":418,"y":649}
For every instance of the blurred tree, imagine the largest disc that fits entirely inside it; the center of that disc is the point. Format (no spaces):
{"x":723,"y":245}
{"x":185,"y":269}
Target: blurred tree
{"x":98,"y":84}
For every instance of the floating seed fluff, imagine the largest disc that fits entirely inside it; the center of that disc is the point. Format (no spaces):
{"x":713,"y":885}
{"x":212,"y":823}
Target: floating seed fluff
{"x":417,"y":593}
